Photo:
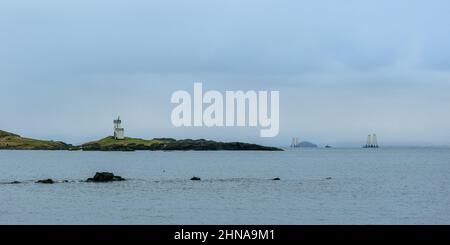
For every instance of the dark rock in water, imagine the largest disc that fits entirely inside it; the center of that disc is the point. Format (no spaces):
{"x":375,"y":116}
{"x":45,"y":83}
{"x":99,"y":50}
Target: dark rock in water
{"x":196,"y":178}
{"x":45,"y":181}
{"x":276,"y":178}
{"x":15,"y":182}
{"x":328,"y":178}
{"x":105,"y":177}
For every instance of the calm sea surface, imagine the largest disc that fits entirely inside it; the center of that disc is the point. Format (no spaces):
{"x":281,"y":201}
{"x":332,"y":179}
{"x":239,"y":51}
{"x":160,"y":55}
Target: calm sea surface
{"x":367,"y":186}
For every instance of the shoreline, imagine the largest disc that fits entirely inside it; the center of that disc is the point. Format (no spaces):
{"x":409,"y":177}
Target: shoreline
{"x":10,"y":141}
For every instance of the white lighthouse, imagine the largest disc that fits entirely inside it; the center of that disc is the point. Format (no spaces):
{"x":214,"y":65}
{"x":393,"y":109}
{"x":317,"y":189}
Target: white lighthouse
{"x":118,"y":130}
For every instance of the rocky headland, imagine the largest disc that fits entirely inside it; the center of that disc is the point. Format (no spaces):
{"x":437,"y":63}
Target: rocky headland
{"x":10,"y":141}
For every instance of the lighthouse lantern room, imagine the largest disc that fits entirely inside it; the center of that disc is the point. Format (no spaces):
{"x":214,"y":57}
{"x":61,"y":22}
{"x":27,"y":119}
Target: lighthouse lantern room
{"x":118,"y":130}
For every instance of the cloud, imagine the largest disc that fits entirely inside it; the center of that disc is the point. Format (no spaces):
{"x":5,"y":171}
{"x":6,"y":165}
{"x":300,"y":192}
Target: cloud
{"x":95,"y":59}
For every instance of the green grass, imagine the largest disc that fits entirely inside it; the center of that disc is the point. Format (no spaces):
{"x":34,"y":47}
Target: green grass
{"x":108,"y":141}
{"x":13,"y":141}
{"x":16,"y":142}
{"x":4,"y":134}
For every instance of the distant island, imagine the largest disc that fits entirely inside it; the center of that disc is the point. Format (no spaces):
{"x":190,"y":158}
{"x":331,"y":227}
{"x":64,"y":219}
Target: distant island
{"x":303,"y":144}
{"x":10,"y":141}
{"x":306,"y":144}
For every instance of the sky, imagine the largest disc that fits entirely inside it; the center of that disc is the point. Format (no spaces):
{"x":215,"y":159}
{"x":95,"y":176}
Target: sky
{"x":344,"y":69}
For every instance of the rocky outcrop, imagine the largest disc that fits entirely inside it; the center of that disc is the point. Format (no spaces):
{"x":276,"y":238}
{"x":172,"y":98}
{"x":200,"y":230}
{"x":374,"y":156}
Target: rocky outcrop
{"x":46,"y":181}
{"x":168,"y":144}
{"x":14,"y":182}
{"x":11,"y":141}
{"x":105,"y":177}
{"x":209,"y":145}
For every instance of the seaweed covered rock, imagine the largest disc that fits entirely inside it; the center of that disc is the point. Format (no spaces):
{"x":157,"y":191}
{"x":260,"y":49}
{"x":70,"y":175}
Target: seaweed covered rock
{"x":104,"y":177}
{"x":45,"y":181}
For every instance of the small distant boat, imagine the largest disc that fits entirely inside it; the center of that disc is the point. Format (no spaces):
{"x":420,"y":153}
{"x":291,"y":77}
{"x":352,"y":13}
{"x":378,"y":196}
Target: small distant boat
{"x":372,"y":141}
{"x":328,"y":146}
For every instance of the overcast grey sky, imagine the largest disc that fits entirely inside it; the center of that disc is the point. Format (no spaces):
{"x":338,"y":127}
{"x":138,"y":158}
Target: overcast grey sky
{"x":344,"y":68}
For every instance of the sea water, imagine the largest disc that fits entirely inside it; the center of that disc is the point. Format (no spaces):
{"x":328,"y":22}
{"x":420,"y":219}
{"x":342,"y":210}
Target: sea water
{"x":317,"y":186}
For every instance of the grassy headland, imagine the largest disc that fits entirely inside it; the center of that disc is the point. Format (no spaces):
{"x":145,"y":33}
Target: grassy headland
{"x":10,"y":141}
{"x":168,"y":144}
{"x":16,"y":142}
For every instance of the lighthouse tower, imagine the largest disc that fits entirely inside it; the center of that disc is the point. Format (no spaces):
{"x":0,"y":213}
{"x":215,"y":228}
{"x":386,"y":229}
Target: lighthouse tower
{"x":118,"y":130}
